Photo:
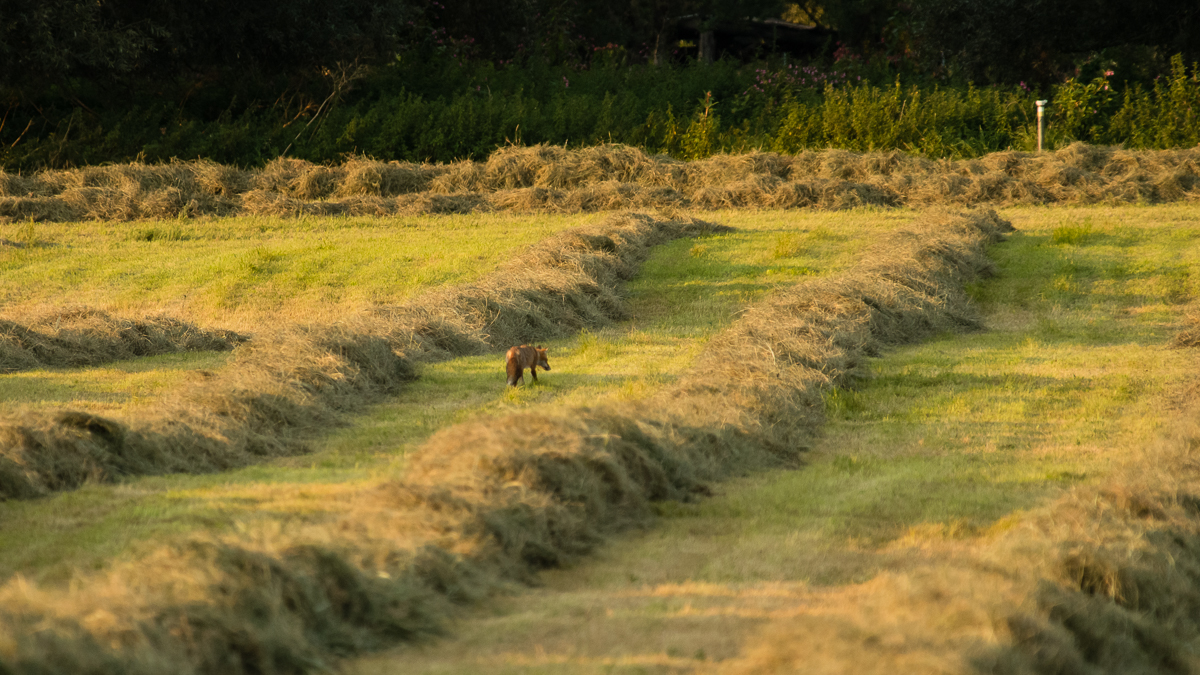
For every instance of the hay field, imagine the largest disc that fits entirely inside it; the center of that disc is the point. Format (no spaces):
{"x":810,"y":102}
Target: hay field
{"x":687,"y":290}
{"x":339,"y":506}
{"x":773,"y":250}
{"x":1015,"y":500}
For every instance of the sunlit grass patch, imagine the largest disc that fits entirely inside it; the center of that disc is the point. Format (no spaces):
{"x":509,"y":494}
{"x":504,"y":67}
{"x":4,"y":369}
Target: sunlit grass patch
{"x":119,"y":387}
{"x":239,"y":272}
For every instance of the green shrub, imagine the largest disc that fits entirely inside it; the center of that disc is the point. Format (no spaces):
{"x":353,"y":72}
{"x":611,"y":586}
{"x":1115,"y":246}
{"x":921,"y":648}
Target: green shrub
{"x":423,"y":113}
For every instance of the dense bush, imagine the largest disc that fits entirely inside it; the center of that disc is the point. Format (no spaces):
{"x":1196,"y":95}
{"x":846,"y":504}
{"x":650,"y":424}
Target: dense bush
{"x":688,"y":111}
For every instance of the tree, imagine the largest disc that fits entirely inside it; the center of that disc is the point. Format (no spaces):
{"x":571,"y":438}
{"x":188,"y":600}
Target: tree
{"x":1039,"y":40}
{"x":44,"y":42}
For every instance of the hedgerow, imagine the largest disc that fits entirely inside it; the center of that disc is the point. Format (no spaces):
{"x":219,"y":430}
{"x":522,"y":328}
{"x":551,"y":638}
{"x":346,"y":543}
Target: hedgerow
{"x":687,"y":112}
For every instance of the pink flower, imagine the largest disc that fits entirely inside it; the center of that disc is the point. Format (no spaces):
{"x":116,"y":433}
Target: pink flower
{"x":1108,"y":73}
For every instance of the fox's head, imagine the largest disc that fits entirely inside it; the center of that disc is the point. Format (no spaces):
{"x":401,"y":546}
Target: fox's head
{"x":542,"y":362}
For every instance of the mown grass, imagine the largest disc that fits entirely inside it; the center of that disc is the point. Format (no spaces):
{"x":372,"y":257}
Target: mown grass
{"x":944,"y":448}
{"x":119,"y":387}
{"x":239,"y":273}
{"x":678,"y":300}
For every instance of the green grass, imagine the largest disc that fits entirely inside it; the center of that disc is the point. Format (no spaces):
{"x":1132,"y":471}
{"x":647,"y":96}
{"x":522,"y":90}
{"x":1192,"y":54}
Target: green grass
{"x":242,"y":272}
{"x":118,"y":387}
{"x":677,"y":301}
{"x":945,"y":446}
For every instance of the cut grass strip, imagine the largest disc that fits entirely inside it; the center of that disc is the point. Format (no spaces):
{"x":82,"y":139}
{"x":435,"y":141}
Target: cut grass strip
{"x":483,"y":502}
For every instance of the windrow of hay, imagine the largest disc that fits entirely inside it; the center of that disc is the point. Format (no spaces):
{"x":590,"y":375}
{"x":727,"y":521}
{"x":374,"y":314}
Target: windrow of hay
{"x":75,"y":337}
{"x":278,"y":389}
{"x":606,"y":177}
{"x":494,"y":500}
{"x":287,"y":384}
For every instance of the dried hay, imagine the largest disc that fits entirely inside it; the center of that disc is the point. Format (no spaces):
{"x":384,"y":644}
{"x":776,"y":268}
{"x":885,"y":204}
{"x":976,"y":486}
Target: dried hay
{"x":614,"y":195}
{"x":1111,"y":572}
{"x":78,"y":337}
{"x":792,"y":195}
{"x":841,"y":165}
{"x":364,"y":176}
{"x":279,"y":388}
{"x":1088,"y":158}
{"x":39,"y":209}
{"x":555,"y":179}
{"x":758,"y":190}
{"x":279,"y":174}
{"x":427,"y":203}
{"x":1105,"y":579}
{"x":458,"y":178}
{"x":219,"y":179}
{"x":625,"y":164}
{"x":836,"y":195}
{"x":513,"y":167}
{"x":1010,"y":162}
{"x":267,"y":203}
{"x":526,"y":199}
{"x":16,"y":185}
{"x":317,"y":182}
{"x":720,"y":170}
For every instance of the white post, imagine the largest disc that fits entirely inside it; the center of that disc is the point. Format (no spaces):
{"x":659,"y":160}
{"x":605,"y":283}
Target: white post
{"x":1041,"y":111}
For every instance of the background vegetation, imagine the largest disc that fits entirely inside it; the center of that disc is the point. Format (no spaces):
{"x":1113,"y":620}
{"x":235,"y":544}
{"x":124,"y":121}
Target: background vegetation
{"x":415,"y":81}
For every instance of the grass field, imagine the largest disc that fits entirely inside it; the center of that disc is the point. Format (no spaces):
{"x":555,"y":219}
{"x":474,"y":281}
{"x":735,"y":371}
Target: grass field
{"x":240,"y":273}
{"x":946,"y":448}
{"x":688,"y":290}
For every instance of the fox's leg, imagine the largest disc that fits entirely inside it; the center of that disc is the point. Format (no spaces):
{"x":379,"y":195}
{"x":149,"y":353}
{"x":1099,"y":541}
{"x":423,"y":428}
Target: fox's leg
{"x":533,"y":372}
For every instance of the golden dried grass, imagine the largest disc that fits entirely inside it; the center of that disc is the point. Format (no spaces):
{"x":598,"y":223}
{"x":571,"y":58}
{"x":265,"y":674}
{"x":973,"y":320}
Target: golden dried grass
{"x":553,"y":178}
{"x":76,"y":337}
{"x":493,"y":499}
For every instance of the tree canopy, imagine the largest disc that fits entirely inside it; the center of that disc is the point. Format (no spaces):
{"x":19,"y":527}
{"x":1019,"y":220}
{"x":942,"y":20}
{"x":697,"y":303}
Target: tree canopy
{"x":129,"y":46}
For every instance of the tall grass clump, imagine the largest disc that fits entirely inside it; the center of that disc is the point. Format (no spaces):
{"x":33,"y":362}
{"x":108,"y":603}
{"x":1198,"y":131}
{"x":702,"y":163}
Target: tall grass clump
{"x":496,"y":499}
{"x":283,"y":386}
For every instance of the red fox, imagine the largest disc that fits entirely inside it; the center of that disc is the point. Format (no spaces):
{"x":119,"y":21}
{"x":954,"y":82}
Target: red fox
{"x":520,"y":358}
